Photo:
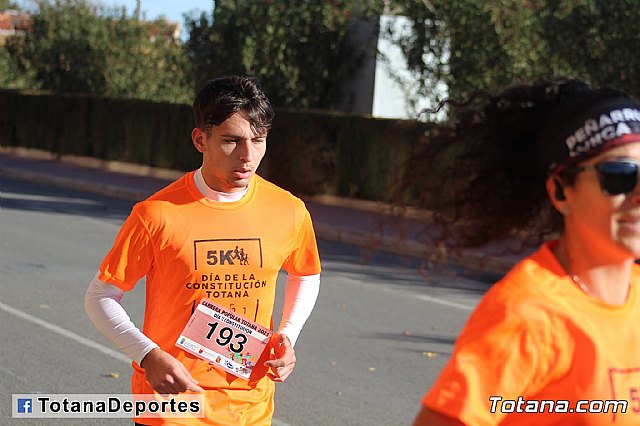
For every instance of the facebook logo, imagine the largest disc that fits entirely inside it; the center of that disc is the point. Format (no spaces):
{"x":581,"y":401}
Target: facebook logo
{"x":24,"y":405}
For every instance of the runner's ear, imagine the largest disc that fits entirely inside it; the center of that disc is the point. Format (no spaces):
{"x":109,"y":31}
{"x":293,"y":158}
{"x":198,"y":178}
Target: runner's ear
{"x":559,"y":193}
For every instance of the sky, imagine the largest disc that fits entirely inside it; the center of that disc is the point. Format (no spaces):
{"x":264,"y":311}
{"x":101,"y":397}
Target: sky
{"x":170,"y":9}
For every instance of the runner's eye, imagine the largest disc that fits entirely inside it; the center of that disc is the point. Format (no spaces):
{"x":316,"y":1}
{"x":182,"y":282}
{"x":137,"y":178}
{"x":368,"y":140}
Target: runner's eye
{"x":617,"y":177}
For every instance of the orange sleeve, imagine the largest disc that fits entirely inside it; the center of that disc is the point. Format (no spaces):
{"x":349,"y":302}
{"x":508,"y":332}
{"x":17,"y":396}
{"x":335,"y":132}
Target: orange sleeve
{"x":497,"y":354}
{"x":131,"y":256}
{"x":304,"y":259}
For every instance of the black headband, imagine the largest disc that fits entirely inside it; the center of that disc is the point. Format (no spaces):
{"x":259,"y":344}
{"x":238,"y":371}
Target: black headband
{"x":566,"y":140}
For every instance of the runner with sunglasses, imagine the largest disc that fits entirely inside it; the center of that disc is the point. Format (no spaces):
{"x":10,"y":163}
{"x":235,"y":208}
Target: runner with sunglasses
{"x":557,"y":340}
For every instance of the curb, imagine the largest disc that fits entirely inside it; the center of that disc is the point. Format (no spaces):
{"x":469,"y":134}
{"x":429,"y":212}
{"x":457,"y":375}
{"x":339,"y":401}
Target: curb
{"x":469,"y":260}
{"x":67,"y":183}
{"x":472,"y":260}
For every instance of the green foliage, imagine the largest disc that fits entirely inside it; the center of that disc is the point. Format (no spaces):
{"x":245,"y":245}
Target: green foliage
{"x":595,"y":39}
{"x":65,"y":46}
{"x":310,"y":152}
{"x":499,"y":42}
{"x":301,"y":151}
{"x":475,"y":45}
{"x":74,"y":46}
{"x":370,"y":155}
{"x":132,"y":130}
{"x":302,"y":53}
{"x":299,"y":49}
{"x":11,"y":76}
{"x":8,"y":4}
{"x":424,"y":46}
{"x":146,"y":62}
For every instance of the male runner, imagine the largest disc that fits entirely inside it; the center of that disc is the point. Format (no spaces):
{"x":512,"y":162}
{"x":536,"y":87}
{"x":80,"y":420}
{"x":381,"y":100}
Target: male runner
{"x":221,"y":233}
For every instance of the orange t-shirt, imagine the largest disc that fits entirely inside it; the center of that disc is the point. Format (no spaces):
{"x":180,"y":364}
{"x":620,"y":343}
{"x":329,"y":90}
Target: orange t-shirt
{"x":536,"y":336}
{"x":190,"y":247}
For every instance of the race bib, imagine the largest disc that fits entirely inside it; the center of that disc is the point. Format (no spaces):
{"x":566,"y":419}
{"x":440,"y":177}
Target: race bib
{"x":224,"y":338}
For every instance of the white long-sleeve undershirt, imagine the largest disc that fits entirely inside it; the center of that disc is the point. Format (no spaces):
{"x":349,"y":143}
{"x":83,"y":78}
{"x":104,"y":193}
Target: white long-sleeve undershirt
{"x":300,"y":297}
{"x":102,"y":303}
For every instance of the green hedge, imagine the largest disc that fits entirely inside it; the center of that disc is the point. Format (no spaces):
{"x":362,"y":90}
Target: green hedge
{"x":152,"y":133}
{"x":309,"y":152}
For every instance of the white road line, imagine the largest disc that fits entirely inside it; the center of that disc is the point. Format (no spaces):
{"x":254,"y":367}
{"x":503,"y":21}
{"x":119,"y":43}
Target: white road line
{"x":445,"y":302}
{"x":66,"y":333}
{"x":12,"y":374}
{"x":5,"y":195}
{"x":83,"y":340}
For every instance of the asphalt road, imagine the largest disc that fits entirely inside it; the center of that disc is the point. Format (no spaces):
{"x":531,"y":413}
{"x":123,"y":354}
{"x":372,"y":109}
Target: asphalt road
{"x":380,"y":333}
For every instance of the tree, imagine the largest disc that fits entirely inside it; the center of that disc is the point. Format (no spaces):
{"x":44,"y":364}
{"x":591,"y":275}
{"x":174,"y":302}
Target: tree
{"x":10,"y":74}
{"x":74,"y":46}
{"x":500,"y":42}
{"x":145,"y":61}
{"x":299,"y":49}
{"x":8,"y":4}
{"x":595,"y":39}
{"x":468,"y":44}
{"x":65,"y":46}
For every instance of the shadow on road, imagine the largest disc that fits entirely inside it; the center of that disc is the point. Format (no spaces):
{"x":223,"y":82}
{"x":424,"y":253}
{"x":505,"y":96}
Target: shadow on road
{"x":402,"y":270}
{"x":22,"y":195}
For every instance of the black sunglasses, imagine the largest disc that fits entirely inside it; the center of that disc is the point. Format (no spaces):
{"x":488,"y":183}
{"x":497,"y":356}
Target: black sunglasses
{"x":615,"y":177}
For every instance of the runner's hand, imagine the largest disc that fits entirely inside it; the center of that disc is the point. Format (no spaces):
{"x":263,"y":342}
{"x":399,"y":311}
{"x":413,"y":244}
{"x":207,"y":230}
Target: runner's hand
{"x":166,"y":374}
{"x":285,"y":359}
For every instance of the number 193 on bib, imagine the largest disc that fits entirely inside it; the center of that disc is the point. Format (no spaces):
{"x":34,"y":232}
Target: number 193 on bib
{"x":224,"y":338}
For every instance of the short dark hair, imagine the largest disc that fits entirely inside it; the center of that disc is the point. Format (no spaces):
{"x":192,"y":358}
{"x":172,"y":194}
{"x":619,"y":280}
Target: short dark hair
{"x":222,"y":97}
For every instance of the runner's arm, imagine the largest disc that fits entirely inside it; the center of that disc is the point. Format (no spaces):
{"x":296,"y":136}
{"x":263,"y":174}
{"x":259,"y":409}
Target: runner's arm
{"x":300,"y":297}
{"x":166,"y":374}
{"x":102,"y":303}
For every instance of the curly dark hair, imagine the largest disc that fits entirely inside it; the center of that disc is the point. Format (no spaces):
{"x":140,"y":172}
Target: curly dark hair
{"x":477,"y":172}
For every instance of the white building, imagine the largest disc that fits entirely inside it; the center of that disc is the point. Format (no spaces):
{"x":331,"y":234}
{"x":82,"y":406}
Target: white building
{"x":383,"y":86}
